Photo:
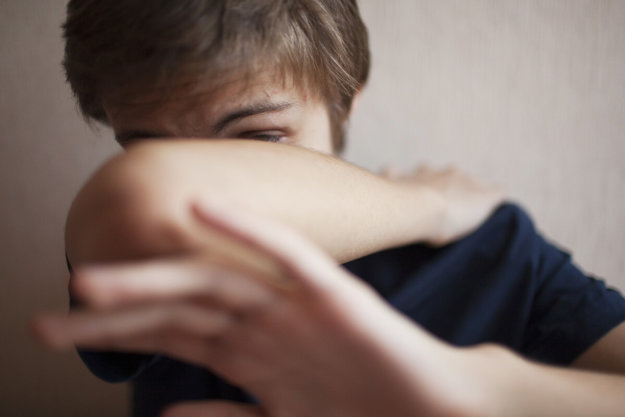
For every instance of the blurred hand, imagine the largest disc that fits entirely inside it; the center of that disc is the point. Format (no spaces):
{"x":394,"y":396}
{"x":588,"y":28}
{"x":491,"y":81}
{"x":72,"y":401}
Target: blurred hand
{"x":463,"y":202}
{"x":298,"y":332}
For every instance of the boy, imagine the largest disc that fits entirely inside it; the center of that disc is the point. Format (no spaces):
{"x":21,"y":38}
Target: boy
{"x":207,"y":282}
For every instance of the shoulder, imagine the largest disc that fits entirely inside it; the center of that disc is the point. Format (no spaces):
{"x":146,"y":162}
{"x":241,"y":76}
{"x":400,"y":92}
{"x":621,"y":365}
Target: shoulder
{"x":510,"y":239}
{"x":509,"y":227}
{"x":504,"y":249}
{"x":510,"y":213}
{"x":505,"y":240}
{"x":507,"y":245}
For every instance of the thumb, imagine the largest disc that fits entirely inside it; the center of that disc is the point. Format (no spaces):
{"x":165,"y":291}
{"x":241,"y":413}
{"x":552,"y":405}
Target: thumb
{"x":213,"y":409}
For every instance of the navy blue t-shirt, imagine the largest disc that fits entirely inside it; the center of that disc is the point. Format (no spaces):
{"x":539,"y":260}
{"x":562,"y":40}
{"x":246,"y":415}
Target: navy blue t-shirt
{"x":503,"y":284}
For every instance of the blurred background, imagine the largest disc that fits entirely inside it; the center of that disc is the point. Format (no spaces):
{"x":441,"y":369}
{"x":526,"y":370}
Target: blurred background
{"x":528,"y":94}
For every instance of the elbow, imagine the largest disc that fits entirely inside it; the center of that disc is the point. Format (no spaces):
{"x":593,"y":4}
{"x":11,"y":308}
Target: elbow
{"x":131,"y":208}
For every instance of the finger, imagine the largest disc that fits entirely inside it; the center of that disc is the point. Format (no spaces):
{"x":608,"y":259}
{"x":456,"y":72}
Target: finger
{"x":293,"y":256}
{"x":213,"y":409}
{"x":393,"y":172}
{"x":424,"y":169}
{"x":113,"y":286}
{"x":145,"y":329}
{"x":212,"y":349}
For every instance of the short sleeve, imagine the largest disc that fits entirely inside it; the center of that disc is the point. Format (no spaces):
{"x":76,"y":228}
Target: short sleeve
{"x":571,"y":311}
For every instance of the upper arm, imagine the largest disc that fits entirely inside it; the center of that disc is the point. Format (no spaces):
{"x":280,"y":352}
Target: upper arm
{"x":607,"y":354}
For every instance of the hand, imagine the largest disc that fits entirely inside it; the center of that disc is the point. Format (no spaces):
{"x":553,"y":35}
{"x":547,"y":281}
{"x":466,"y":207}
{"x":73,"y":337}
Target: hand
{"x":301,"y":334}
{"x":463,"y":203}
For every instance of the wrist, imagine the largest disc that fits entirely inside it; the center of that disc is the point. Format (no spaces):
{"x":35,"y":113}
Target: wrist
{"x":426,"y":214}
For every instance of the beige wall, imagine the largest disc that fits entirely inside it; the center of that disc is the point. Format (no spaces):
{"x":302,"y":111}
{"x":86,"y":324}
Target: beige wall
{"x":528,"y":94}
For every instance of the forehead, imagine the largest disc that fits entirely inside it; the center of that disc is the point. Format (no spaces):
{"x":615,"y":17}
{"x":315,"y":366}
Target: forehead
{"x":205,"y":96}
{"x":226,"y":109}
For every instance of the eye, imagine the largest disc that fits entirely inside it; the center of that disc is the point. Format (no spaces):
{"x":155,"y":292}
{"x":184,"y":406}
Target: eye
{"x":264,"y":135}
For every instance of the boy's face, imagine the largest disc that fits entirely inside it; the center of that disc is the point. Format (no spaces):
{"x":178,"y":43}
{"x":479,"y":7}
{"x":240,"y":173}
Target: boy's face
{"x":262,"y":109}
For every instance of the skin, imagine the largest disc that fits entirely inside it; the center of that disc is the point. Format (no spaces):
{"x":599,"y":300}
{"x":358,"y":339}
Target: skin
{"x":261,"y":329}
{"x":261,"y":109}
{"x":255,"y":313}
{"x":132,"y":201}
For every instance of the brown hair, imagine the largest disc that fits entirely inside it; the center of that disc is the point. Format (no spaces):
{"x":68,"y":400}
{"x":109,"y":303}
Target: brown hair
{"x":129,"y":46}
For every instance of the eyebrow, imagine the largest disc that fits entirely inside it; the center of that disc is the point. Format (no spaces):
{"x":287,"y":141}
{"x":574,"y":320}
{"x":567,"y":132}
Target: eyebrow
{"x":252,"y":110}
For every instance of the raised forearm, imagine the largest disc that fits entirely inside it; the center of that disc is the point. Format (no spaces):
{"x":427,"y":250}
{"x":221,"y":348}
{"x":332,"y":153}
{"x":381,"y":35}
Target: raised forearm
{"x":346,"y":210}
